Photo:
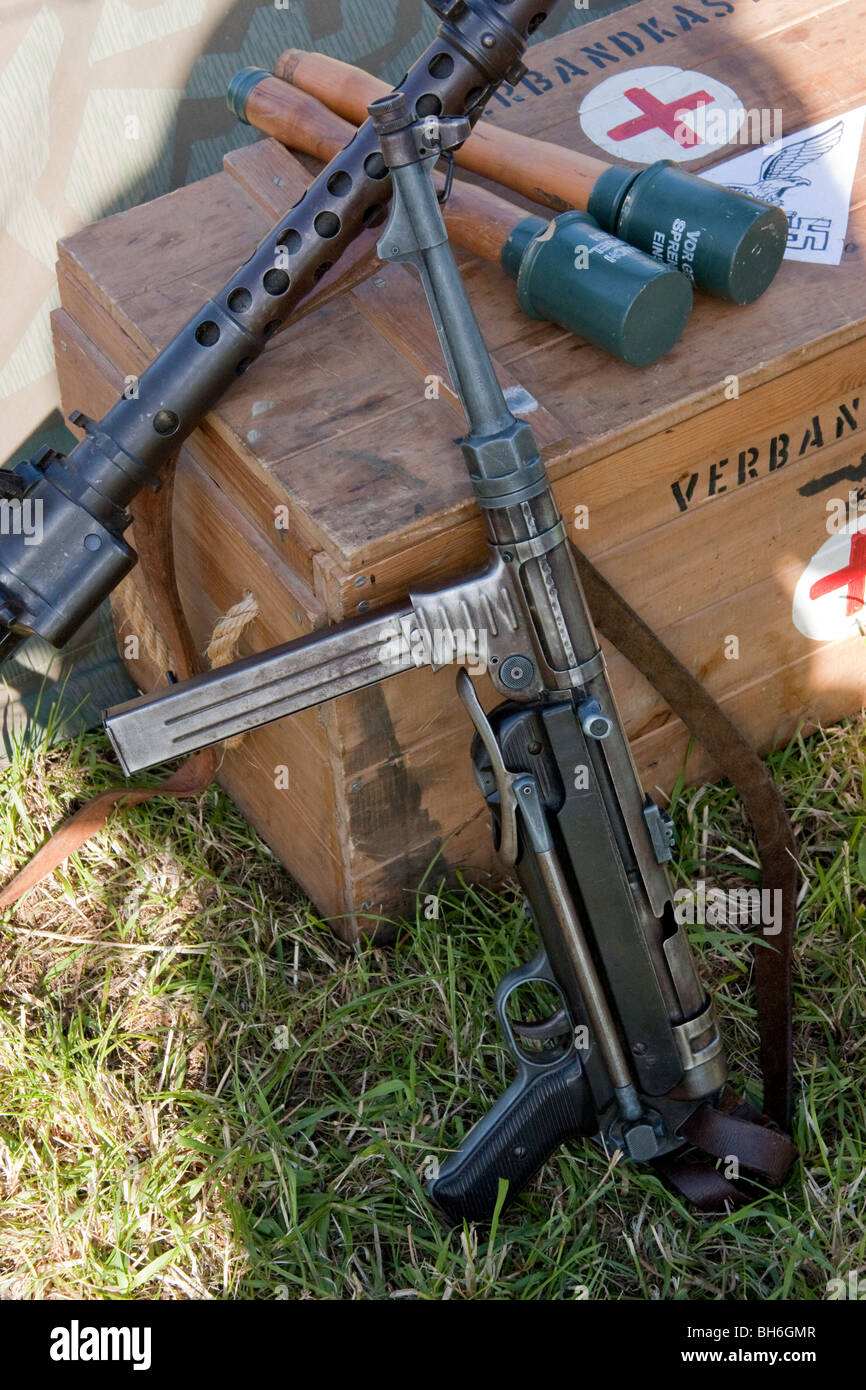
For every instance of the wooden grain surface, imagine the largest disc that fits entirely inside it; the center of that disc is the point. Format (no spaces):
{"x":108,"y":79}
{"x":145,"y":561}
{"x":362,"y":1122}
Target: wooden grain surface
{"x":703,"y":511}
{"x":323,"y":439}
{"x":380,"y":782}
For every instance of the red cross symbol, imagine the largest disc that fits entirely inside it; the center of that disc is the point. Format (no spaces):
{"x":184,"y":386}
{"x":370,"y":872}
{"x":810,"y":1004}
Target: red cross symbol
{"x":853,"y":575}
{"x":660,"y":115}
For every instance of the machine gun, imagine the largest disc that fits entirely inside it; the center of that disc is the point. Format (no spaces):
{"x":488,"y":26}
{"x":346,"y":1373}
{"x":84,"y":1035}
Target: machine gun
{"x":81,"y":499}
{"x":734,"y":247}
{"x":632,"y":1049}
{"x":724,"y":241}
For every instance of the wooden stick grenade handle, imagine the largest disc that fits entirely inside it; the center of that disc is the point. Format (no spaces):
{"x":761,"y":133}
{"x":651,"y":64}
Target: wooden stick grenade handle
{"x":726,"y":242}
{"x":477,"y":219}
{"x":546,"y":173}
{"x":568,"y":271}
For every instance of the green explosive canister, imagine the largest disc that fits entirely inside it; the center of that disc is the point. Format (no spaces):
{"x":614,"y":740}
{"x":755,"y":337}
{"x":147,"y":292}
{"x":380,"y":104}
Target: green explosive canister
{"x":725,"y":242}
{"x":574,"y":274}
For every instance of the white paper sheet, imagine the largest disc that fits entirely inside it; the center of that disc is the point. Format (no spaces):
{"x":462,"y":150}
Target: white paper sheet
{"x":810,"y":174}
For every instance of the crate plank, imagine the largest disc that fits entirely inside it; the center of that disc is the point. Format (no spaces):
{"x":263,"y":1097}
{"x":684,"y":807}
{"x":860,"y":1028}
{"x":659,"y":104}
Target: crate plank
{"x":702,"y":510}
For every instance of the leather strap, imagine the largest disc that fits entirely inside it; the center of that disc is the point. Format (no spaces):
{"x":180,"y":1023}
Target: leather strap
{"x":760,"y":1147}
{"x":191,"y":778}
{"x":737,"y":760}
{"x":729,"y":1129}
{"x":725,"y":1131}
{"x":155,"y":546}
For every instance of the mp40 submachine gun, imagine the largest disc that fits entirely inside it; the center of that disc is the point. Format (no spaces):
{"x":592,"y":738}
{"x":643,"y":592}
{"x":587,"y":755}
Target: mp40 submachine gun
{"x":632,"y":1049}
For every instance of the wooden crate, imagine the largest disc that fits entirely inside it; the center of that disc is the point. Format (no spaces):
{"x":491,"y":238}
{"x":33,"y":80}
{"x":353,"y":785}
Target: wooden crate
{"x":704,"y":511}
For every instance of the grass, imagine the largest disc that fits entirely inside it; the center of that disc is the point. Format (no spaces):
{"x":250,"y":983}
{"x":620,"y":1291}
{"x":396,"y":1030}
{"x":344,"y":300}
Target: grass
{"x":204,"y":1095}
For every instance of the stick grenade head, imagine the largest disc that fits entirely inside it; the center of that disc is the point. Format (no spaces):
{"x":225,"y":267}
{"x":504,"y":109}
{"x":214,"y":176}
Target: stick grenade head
{"x":572,"y":273}
{"x":568,"y":271}
{"x":726,"y":242}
